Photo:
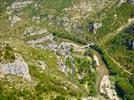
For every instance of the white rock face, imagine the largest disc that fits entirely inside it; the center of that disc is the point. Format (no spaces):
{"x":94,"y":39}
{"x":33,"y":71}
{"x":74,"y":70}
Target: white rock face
{"x":96,"y":59}
{"x":18,"y":67}
{"x":105,"y":88}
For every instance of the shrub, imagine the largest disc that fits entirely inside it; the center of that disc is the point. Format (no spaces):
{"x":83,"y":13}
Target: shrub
{"x":7,"y":54}
{"x":124,"y":88}
{"x":60,"y":98}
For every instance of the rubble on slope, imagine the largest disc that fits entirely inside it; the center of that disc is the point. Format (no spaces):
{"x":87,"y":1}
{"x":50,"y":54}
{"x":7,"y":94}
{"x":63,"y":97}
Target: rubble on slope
{"x":40,"y":40}
{"x":16,"y":5}
{"x":14,"y":19}
{"x":80,"y":9}
{"x":62,"y":65}
{"x":31,"y":32}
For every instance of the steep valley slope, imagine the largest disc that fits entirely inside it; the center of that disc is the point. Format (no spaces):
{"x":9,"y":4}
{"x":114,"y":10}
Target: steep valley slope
{"x":66,"y":49}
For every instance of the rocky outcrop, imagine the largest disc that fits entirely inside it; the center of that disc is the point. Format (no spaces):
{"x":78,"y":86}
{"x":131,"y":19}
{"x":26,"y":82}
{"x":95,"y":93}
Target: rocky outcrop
{"x":106,"y":88}
{"x":121,"y":2}
{"x":14,"y":19}
{"x":130,"y":30}
{"x":93,"y":26}
{"x":131,"y":1}
{"x":30,"y":31}
{"x":18,"y":67}
{"x":15,"y":6}
{"x":40,"y":40}
{"x":131,"y":44}
{"x":21,"y":4}
{"x":96,"y":60}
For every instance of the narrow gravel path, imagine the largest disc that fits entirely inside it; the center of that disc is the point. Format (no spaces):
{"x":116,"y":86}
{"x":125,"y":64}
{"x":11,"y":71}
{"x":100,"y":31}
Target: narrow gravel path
{"x":119,"y":64}
{"x":109,"y":36}
{"x":101,"y":71}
